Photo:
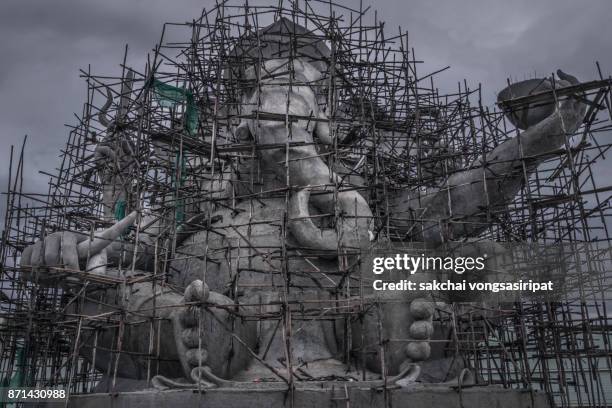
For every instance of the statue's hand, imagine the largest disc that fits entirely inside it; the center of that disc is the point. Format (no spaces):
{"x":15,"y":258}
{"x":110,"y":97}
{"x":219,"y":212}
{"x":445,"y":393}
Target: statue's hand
{"x":57,"y":250}
{"x":528,"y":114}
{"x":115,"y":163}
{"x":63,"y":251}
{"x":114,"y":158}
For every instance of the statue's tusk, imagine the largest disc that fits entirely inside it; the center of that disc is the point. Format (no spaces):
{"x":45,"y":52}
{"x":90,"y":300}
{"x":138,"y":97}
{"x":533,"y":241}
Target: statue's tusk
{"x":126,"y":92}
{"x":106,"y":237}
{"x":102,"y":114}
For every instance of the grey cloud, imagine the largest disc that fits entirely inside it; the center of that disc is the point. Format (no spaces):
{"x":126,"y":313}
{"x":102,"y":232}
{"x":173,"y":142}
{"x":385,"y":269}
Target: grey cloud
{"x":43,"y":44}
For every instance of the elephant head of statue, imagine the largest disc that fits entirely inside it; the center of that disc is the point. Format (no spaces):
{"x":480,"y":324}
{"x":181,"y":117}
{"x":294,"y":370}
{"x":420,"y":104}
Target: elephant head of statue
{"x":283,"y":110}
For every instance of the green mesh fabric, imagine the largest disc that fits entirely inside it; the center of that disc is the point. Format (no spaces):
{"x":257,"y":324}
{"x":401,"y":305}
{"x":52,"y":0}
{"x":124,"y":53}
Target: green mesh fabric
{"x":18,"y":379}
{"x":169,"y":96}
{"x":120,"y":209}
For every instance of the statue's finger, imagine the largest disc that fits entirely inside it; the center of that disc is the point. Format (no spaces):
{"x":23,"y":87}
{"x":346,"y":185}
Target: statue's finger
{"x":37,"y":258}
{"x":26,"y":256}
{"x":52,"y":250}
{"x":418,"y":350}
{"x":97,"y":263}
{"x":421,"y":309}
{"x":421,"y":329}
{"x":70,"y":256}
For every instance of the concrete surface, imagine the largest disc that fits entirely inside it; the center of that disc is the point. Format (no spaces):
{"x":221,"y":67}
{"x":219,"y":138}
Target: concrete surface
{"x":318,"y":396}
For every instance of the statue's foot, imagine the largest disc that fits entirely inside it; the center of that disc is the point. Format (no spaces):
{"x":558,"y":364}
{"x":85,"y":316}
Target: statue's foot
{"x":318,"y":370}
{"x":408,"y":376}
{"x":466,"y":378}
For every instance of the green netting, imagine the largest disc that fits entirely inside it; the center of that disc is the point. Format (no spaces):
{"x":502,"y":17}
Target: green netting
{"x":120,"y":209}
{"x":169,"y":96}
{"x":18,"y":380}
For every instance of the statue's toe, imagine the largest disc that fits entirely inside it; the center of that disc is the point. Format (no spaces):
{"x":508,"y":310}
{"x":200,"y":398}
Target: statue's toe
{"x":408,"y":376}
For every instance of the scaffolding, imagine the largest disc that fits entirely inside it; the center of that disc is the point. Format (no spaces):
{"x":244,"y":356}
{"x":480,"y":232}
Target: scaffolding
{"x":171,"y":128}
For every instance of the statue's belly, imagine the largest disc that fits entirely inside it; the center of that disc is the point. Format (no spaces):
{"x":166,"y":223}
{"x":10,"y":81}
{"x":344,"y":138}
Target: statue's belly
{"x":248,"y":257}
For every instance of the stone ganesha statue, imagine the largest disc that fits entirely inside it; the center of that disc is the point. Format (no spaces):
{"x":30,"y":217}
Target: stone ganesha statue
{"x":243,"y":263}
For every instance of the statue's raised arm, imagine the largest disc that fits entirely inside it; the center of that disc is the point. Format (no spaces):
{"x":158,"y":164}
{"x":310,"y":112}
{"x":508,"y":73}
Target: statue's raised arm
{"x":457,"y":208}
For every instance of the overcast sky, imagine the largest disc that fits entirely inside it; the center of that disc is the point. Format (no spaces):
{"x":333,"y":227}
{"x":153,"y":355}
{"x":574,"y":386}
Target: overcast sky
{"x":44,"y":43}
